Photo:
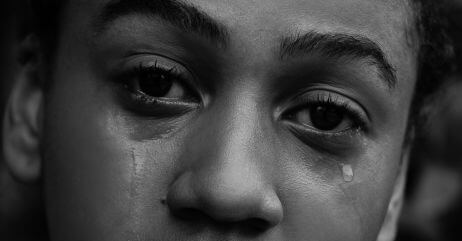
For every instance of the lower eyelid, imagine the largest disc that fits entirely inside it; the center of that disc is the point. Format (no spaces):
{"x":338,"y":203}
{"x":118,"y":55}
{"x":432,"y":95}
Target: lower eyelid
{"x":148,"y":100}
{"x":339,"y":142}
{"x":339,"y":134}
{"x":143,"y":105}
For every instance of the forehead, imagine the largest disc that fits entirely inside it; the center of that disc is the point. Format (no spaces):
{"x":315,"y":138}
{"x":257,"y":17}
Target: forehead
{"x":331,"y":15}
{"x":385,"y":22}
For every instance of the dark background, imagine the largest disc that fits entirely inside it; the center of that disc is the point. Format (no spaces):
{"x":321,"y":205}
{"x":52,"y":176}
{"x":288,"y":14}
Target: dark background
{"x":433,"y":207}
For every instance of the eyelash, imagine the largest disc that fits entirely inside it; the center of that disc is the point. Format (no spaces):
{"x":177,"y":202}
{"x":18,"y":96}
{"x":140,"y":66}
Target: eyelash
{"x":140,"y":70}
{"x":138,"y":102}
{"x":156,"y":69}
{"x":327,"y":99}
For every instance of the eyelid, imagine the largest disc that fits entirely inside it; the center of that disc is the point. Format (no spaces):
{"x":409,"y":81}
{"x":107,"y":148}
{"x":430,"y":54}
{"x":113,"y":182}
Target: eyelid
{"x":315,"y":95}
{"x":124,"y":77}
{"x":134,"y":60}
{"x":136,"y":56}
{"x":306,"y":95}
{"x":155,"y":60}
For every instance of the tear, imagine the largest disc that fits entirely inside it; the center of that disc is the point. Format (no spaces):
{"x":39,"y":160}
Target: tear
{"x":347,"y":172}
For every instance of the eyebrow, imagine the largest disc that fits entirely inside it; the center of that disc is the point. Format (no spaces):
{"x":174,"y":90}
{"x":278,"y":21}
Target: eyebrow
{"x":178,"y":13}
{"x":192,"y":20}
{"x":338,"y":45}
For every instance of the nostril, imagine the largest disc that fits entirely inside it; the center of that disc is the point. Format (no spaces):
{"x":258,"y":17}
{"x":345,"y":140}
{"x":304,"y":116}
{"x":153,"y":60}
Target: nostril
{"x":255,"y":225}
{"x":251,"y":226}
{"x":189,"y":214}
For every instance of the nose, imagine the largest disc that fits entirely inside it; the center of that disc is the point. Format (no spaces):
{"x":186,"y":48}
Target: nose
{"x":230,"y":200}
{"x":228,"y":178}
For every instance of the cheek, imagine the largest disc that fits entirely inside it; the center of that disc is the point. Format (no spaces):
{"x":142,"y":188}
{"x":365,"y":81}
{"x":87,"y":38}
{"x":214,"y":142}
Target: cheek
{"x":320,"y":210}
{"x":106,"y":174}
{"x":321,"y":202}
{"x":103,"y":178}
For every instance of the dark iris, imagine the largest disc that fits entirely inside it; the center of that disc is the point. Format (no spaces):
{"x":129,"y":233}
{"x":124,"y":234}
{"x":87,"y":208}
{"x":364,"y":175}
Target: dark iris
{"x":155,"y":82}
{"x":326,"y":118}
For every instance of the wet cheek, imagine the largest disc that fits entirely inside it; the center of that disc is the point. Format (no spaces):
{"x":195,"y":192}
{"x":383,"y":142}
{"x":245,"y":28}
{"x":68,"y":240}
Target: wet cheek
{"x":346,"y":195}
{"x":98,"y":161}
{"x":315,"y":202}
{"x":369,"y":193}
{"x":319,"y":209}
{"x":152,"y":147}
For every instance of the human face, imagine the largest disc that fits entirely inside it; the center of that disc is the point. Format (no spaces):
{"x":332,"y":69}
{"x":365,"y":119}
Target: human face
{"x":246,"y":120}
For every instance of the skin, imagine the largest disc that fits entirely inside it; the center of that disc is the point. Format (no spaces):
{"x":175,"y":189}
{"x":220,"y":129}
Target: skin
{"x":232,"y":166}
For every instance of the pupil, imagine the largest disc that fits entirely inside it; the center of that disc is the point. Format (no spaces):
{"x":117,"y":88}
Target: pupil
{"x":155,"y":84}
{"x":325,"y":118}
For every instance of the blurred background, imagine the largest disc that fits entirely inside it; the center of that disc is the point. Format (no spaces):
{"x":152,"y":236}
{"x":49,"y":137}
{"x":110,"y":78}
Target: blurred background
{"x":433,"y":207}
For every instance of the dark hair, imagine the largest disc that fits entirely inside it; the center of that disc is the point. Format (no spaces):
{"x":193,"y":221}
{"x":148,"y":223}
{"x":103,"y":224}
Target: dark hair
{"x":431,"y":26}
{"x":435,"y":57}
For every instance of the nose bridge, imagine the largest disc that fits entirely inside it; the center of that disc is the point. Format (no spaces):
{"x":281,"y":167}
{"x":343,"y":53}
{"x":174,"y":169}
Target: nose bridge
{"x":227,"y":179}
{"x":240,"y":135}
{"x":233,"y":162}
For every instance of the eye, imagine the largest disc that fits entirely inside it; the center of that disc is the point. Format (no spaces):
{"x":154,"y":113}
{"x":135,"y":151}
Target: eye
{"x":324,"y":117}
{"x":158,"y":82}
{"x":157,"y":86}
{"x":327,"y":113}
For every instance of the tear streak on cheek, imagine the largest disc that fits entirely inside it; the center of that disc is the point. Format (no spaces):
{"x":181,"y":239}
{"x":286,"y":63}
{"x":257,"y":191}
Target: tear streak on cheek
{"x":347,"y":181}
{"x":351,"y":202}
{"x":138,"y":164}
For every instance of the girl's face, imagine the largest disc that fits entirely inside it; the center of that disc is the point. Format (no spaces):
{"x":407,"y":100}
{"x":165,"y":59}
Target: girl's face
{"x":227,"y":120}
